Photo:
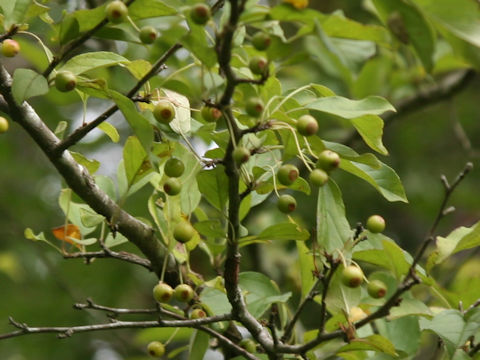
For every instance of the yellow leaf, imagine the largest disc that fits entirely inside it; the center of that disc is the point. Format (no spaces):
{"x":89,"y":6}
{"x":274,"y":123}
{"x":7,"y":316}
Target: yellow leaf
{"x":67,"y":233}
{"x":298,"y":4}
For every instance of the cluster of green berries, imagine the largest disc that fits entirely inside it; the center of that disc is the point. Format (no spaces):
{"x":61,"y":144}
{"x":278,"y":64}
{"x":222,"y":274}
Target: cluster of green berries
{"x":287,"y":174}
{"x":352,"y":275}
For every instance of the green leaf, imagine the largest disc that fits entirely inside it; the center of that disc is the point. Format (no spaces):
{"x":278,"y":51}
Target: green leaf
{"x":419,"y":31}
{"x":92,"y":60}
{"x":260,"y":292}
{"x":384,"y":179}
{"x":133,"y":157}
{"x":73,"y":211}
{"x":199,"y":343}
{"x":91,"y":165}
{"x":14,"y":11}
{"x":332,"y":226}
{"x":351,"y":109}
{"x":88,"y":19}
{"x":110,"y":131}
{"x":372,"y":342}
{"x":181,"y":123}
{"x":143,"y":9}
{"x":370,"y":128}
{"x":69,"y":29}
{"x":463,"y":19}
{"x":462,"y":238}
{"x":213,"y":184}
{"x":451,"y":326}
{"x":90,"y":218}
{"x":410,"y":307}
{"x":26,"y":84}
{"x":138,"y":122}
{"x":278,"y":232}
{"x":196,"y":42}
{"x":307,"y":266}
{"x":396,"y":331}
{"x":338,"y":26}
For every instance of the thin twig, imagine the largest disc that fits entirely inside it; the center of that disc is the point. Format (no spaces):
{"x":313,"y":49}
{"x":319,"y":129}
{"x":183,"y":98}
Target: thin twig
{"x":122,"y":255}
{"x":115,"y":311}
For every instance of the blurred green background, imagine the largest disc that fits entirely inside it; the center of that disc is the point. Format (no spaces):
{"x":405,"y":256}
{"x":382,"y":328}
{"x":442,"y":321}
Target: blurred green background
{"x":39,"y":287}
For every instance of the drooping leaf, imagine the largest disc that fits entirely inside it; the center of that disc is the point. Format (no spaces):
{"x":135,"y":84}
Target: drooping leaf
{"x":143,"y":9}
{"x":213,"y":184}
{"x":110,"y":131}
{"x":384,"y":179}
{"x":332,"y":226}
{"x":28,"y":83}
{"x":134,"y":156}
{"x":370,"y":128}
{"x":199,"y":343}
{"x":137,"y":121}
{"x":91,"y":165}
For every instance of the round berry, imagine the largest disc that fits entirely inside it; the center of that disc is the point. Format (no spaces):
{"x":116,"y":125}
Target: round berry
{"x":286,"y":203}
{"x":148,"y":34}
{"x":3,"y":125}
{"x":200,"y":14}
{"x":376,"y":289}
{"x":183,"y":232}
{"x":174,"y":167}
{"x":164,"y":112}
{"x":261,"y":41}
{"x":318,"y":177}
{"x":65,"y":81}
{"x":307,"y":125}
{"x":241,"y":155}
{"x":172,"y":186}
{"x":184,"y":293}
{"x":156,"y":349}
{"x":287,"y":174}
{"x":376,"y":224}
{"x":352,"y":276}
{"x":10,"y":48}
{"x":116,"y":12}
{"x":248,"y":345}
{"x":254,"y":107}
{"x":258,"y":65}
{"x":162,"y":292}
{"x":210,"y":114}
{"x":328,"y":160}
{"x":198,"y":314}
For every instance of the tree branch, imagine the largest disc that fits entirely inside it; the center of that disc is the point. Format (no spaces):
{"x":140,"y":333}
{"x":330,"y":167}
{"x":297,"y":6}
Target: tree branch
{"x":79,"y":180}
{"x":122,"y":255}
{"x":113,"y":311}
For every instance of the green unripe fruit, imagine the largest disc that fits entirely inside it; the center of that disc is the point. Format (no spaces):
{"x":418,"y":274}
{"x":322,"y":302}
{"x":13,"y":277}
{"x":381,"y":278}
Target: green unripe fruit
{"x":172,"y":186}
{"x":261,"y":41}
{"x":328,"y":160}
{"x":198,"y":314}
{"x":184,"y":293}
{"x":286,"y":203}
{"x":258,"y":65}
{"x":183,"y":232}
{"x":116,"y":12}
{"x":241,"y":155}
{"x":307,"y":125}
{"x":162,"y":292}
{"x":174,"y":167}
{"x":352,"y":276}
{"x":3,"y":125}
{"x":156,"y":349}
{"x":318,"y":177}
{"x":210,"y":114}
{"x":10,"y":48}
{"x":148,"y":34}
{"x":65,"y":81}
{"x":249,"y":345}
{"x":254,"y":107}
{"x":287,"y":174}
{"x":164,"y":112}
{"x":200,"y":14}
{"x":376,"y":224}
{"x":376,"y":289}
